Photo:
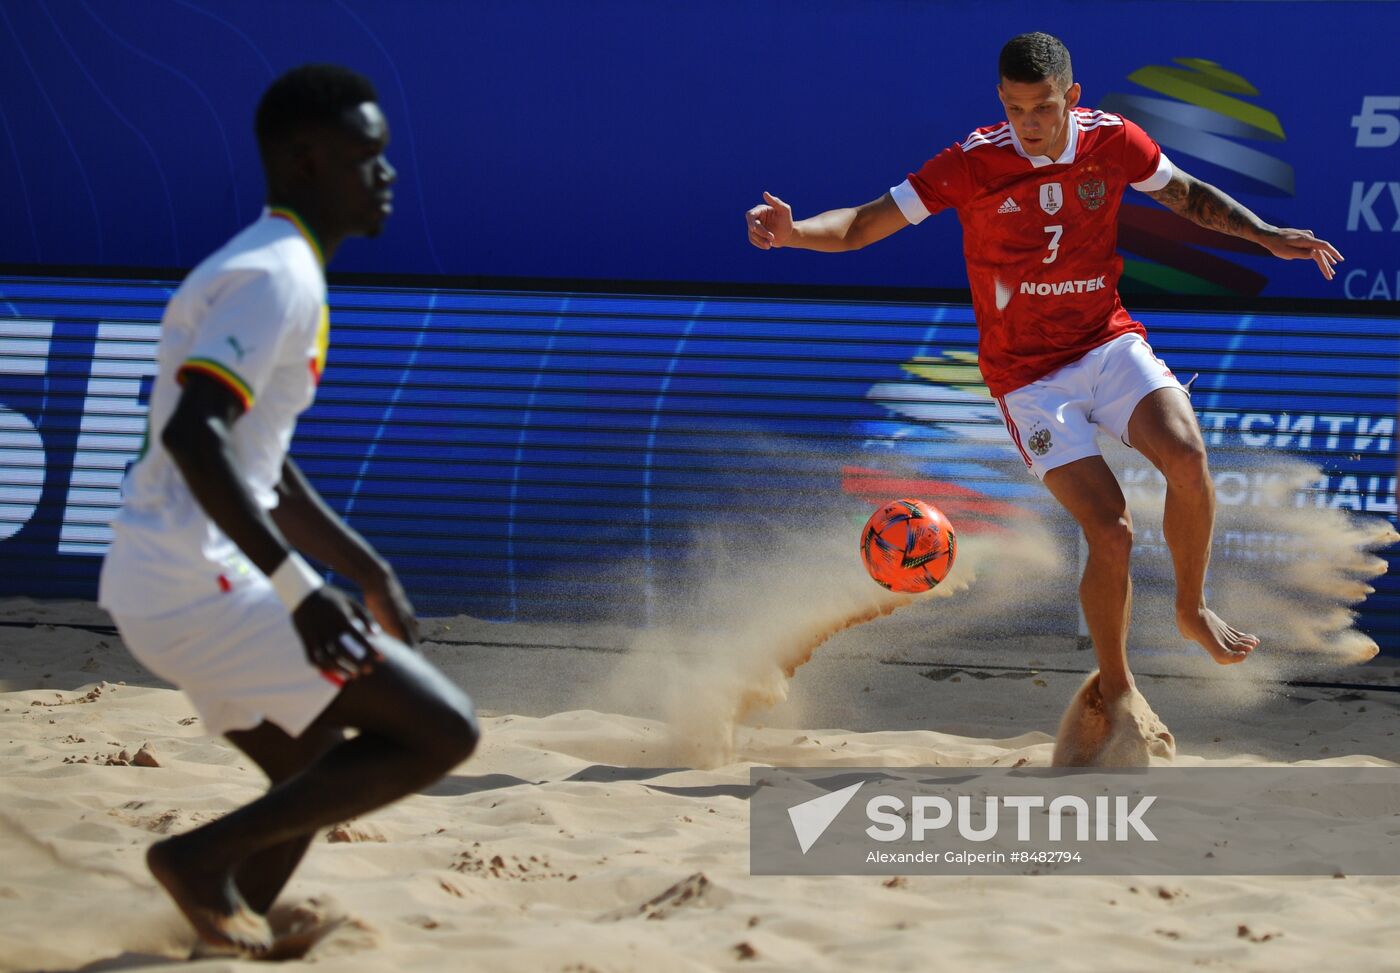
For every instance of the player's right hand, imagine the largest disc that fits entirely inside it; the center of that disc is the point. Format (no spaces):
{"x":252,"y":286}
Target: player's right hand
{"x":334,"y":634}
{"x":770,"y":224}
{"x":389,"y":606}
{"x":1287,"y":243}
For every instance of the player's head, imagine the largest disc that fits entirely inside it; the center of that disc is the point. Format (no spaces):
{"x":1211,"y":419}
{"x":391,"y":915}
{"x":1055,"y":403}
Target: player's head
{"x":1038,"y":90}
{"x":322,"y":136}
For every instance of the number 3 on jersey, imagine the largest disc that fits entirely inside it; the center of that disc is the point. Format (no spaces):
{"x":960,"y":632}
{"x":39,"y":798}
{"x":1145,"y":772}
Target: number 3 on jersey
{"x":1054,"y":244}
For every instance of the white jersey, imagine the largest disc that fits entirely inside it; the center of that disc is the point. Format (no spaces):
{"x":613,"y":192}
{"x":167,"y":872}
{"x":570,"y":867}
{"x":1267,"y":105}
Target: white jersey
{"x":252,"y":316}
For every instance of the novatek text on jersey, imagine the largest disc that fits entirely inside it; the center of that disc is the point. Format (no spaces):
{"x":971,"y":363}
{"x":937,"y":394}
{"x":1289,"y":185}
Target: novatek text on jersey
{"x":1044,"y":289}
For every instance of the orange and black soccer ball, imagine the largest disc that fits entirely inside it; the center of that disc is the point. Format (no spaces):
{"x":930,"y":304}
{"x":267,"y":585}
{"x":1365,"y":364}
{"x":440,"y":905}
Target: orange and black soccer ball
{"x":908,"y":545}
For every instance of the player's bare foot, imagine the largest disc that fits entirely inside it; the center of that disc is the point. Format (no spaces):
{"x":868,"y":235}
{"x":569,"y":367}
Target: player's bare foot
{"x":1224,"y":644}
{"x":208,"y":899}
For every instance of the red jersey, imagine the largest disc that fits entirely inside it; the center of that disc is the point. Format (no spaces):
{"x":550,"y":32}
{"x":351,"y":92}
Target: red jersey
{"x":1040,"y":237}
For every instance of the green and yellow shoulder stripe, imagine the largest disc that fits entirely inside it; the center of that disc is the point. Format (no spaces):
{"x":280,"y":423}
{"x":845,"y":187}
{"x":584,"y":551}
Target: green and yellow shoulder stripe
{"x":222,"y":374}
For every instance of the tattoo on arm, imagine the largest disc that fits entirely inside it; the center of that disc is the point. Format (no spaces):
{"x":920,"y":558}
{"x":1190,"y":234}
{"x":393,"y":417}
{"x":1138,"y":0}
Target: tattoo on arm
{"x":1202,"y":203}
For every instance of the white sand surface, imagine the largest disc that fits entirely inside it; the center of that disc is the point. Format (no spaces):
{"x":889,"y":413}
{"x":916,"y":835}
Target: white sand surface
{"x":574,"y":841}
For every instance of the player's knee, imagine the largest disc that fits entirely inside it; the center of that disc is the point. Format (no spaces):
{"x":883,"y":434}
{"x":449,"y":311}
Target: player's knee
{"x":462,"y":735}
{"x":1112,"y":538}
{"x":1184,"y":463}
{"x":453,"y":731}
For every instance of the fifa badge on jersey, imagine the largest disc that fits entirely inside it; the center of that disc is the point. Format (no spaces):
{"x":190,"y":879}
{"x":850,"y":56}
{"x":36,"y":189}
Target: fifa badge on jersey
{"x":1092,"y":192}
{"x":1039,"y":441}
{"x":1052,"y":197}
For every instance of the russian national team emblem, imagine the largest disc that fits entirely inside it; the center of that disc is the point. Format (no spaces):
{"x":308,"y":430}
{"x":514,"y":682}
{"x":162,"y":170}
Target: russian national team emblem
{"x":1039,"y":441}
{"x":1092,"y":192}
{"x":1052,"y":197}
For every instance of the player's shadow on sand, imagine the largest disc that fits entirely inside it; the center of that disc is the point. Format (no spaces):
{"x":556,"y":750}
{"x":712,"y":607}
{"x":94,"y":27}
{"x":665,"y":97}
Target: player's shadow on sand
{"x":459,"y":785}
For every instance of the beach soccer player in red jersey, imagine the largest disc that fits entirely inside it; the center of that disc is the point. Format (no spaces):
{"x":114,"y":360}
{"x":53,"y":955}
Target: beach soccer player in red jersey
{"x":1038,"y":197}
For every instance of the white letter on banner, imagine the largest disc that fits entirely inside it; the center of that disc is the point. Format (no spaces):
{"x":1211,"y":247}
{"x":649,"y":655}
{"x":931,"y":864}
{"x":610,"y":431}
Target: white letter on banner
{"x":1383,"y":428}
{"x":1302,"y":428}
{"x":1248,"y":422}
{"x":1023,"y":805}
{"x":922,"y":822}
{"x":24,"y":350}
{"x":1380,"y":495}
{"x":110,"y":437}
{"x":965,"y":828}
{"x":1133,"y":819}
{"x":1363,"y":197}
{"x":878,"y":810}
{"x":1347,"y":494}
{"x":1101,"y":816}
{"x":1334,"y":424}
{"x":1374,"y":128}
{"x":1081,"y":815}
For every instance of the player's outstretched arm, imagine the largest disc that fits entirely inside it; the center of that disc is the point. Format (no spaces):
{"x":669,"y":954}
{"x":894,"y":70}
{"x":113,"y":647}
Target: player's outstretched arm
{"x":315,"y":529}
{"x":770,"y":225}
{"x":197,"y":438}
{"x":1202,"y":203}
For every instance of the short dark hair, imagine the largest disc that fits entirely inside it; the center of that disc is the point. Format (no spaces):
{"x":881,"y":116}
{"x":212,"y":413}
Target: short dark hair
{"x":1029,"y":58}
{"x":310,"y":96}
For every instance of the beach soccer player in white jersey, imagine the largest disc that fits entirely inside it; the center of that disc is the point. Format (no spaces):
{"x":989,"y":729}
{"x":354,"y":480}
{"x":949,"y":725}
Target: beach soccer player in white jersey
{"x":203,"y":576}
{"x":1038,"y":197}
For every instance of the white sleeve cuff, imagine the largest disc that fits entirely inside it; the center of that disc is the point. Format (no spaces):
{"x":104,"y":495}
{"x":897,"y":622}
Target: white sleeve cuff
{"x":910,"y":204}
{"x":294,"y":581}
{"x":1159,"y":179}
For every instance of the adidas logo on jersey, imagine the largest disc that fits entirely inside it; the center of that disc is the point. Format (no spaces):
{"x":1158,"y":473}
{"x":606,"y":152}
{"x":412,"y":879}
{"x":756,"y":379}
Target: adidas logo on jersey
{"x":1009,"y":206}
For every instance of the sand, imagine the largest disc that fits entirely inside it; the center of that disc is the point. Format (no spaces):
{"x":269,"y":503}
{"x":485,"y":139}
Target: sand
{"x":574,"y":842}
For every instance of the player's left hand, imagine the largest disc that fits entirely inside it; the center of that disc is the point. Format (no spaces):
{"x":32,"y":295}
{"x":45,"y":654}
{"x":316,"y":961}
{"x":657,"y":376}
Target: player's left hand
{"x":389,"y":604}
{"x":1290,"y":244}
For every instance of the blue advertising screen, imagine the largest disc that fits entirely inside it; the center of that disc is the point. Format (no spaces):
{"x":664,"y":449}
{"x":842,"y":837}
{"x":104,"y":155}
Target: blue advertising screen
{"x":560,"y":456}
{"x":624,"y":139}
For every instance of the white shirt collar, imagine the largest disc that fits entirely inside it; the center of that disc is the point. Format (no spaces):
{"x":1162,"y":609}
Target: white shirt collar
{"x":1066,"y":157}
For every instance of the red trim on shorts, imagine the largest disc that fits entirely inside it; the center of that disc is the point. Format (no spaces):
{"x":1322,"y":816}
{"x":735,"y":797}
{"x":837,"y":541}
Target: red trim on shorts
{"x":224,"y":584}
{"x":1015,"y":433}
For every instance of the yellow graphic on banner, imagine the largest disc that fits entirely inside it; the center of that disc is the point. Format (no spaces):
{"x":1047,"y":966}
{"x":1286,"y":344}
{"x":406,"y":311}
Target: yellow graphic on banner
{"x":957,"y":369}
{"x":323,"y":344}
{"x":1202,"y":86}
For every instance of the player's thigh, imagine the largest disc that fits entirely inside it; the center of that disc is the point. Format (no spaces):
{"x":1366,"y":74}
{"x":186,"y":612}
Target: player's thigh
{"x":1090,"y":492}
{"x":1163,"y":428}
{"x":237,"y":657}
{"x":407,"y":699}
{"x":1048,"y":421}
{"x":281,"y":755}
{"x":1139,"y":401}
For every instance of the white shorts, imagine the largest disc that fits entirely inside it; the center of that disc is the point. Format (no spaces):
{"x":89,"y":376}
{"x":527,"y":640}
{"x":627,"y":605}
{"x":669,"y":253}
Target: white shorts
{"x":237,"y":657}
{"x":1055,"y":420}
